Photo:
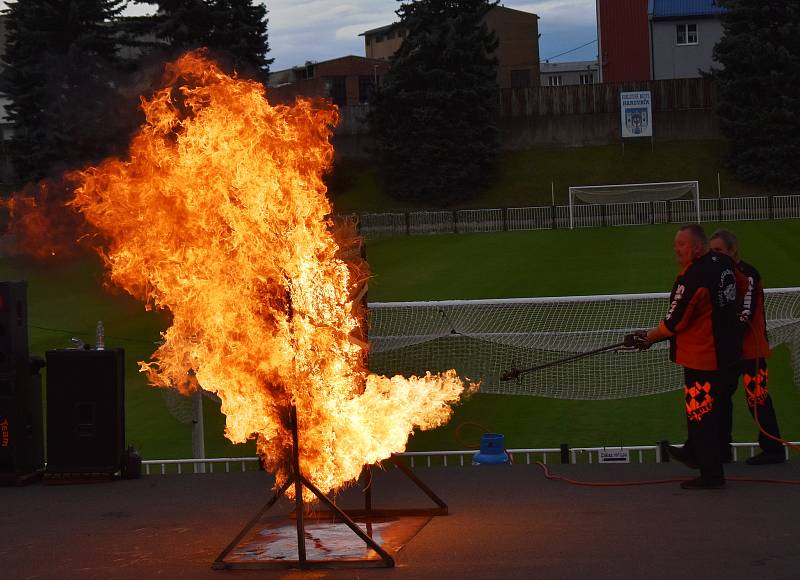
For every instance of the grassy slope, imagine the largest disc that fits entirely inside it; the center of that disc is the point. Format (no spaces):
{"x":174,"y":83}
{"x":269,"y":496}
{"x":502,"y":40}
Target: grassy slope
{"x":524,"y":177}
{"x":551,"y":263}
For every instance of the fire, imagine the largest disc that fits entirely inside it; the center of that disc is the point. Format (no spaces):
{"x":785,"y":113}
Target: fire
{"x":38,"y":223}
{"x":219,"y":216}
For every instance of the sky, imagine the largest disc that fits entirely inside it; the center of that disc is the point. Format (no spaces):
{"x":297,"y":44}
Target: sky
{"x":303,"y":30}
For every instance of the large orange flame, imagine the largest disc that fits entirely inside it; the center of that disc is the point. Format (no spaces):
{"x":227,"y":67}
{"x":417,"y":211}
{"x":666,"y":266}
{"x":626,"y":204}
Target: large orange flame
{"x":219,"y":215}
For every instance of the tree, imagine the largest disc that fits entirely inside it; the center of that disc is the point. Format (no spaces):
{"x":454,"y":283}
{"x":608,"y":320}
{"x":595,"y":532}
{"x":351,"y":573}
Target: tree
{"x":242,"y":33}
{"x":758,"y":102}
{"x":234,"y":31}
{"x":60,"y":59}
{"x":434,"y":116}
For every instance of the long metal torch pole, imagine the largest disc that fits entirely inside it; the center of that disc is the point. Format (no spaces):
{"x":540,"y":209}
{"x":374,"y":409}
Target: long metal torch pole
{"x":514,"y":373}
{"x":298,"y":488}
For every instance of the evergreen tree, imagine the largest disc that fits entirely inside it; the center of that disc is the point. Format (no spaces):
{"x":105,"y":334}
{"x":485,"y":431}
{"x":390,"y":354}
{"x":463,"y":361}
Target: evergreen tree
{"x":434,"y":116}
{"x":184,"y":24}
{"x":242,"y":33}
{"x":59,"y":65}
{"x":234,"y":31}
{"x":758,"y":99}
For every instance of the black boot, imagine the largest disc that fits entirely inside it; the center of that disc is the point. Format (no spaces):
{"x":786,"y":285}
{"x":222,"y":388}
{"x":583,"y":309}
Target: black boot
{"x":766,"y":458}
{"x":682,"y":455}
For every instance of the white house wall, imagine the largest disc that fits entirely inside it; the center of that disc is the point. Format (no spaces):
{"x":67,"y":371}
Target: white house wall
{"x":674,"y":61}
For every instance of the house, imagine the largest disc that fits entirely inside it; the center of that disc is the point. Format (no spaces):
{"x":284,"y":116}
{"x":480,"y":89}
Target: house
{"x":623,"y":39}
{"x":517,"y":52}
{"x":656,"y":39}
{"x":384,"y":41}
{"x":579,"y":72}
{"x":682,"y":37}
{"x":348,"y":80}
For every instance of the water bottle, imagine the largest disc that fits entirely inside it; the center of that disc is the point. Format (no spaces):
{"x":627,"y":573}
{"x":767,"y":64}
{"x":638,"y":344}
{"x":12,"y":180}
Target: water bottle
{"x":100,"y":337}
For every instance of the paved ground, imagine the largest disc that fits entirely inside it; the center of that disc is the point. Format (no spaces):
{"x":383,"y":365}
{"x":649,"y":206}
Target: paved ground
{"x":504,"y":522}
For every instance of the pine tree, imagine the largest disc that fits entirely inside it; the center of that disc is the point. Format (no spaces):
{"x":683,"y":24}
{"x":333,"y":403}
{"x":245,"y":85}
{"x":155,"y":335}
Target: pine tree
{"x":242,"y":34}
{"x":434,"y":116}
{"x":758,"y":99}
{"x":184,"y":24}
{"x":234,"y":31}
{"x":60,"y":59}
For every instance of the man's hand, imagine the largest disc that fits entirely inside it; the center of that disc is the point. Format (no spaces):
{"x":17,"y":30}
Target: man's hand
{"x":637,"y":340}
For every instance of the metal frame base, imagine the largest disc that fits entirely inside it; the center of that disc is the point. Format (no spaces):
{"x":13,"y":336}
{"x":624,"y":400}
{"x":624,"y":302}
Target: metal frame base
{"x":337,"y":514}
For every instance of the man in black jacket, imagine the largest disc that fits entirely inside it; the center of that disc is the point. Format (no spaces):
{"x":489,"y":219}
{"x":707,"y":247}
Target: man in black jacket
{"x":755,"y":351}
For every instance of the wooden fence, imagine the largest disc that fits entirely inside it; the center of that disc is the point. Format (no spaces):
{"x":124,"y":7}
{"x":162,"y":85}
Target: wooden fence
{"x":667,"y":95}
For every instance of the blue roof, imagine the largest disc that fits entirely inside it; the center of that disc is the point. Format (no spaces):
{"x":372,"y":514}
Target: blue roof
{"x":681,"y":8}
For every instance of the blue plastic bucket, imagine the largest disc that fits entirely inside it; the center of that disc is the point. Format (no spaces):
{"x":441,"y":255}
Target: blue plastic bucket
{"x":493,"y":449}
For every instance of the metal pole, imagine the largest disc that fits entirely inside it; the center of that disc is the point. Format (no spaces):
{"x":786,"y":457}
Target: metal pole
{"x":426,"y":490}
{"x":198,"y":432}
{"x":368,"y":497}
{"x":571,"y":218}
{"x":368,"y":488}
{"x":516,"y":373}
{"x":388,"y":560}
{"x":298,"y":488}
{"x":219,"y":563}
{"x":697,"y":200}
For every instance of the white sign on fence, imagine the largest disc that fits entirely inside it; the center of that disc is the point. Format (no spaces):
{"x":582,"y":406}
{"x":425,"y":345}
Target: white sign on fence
{"x":636,"y":114}
{"x":620,"y":455}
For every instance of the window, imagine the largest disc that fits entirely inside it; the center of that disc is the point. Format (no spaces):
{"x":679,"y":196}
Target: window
{"x":520,"y":79}
{"x":587,"y":79}
{"x":686,"y":34}
{"x":379,"y":38}
{"x":554,"y":81}
{"x":390,"y":35}
{"x":366,"y":87}
{"x":337,"y":90}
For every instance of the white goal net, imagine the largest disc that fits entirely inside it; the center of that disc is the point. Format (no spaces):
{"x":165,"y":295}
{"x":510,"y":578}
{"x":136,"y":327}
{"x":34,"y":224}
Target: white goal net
{"x":625,"y":202}
{"x":483,"y":338}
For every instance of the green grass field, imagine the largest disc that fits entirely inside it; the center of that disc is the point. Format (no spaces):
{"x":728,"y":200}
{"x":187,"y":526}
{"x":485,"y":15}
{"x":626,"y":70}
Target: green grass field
{"x":67,"y":299}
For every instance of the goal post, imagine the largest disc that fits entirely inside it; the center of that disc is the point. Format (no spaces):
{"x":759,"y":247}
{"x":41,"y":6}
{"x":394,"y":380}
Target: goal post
{"x":631,"y":193}
{"x":483,"y":338}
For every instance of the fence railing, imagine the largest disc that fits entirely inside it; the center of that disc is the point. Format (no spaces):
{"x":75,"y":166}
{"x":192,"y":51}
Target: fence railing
{"x":676,"y":211}
{"x":460,"y":458}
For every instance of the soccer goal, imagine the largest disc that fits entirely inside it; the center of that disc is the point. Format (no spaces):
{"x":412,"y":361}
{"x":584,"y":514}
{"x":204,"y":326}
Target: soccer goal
{"x":483,"y":338}
{"x":629,"y":203}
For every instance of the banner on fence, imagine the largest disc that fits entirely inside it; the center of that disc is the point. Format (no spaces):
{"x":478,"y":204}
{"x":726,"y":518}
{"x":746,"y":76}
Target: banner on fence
{"x":636,"y":114}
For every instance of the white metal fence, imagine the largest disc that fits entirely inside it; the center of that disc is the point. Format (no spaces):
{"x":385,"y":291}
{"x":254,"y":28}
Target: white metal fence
{"x":786,"y":207}
{"x":676,"y":211}
{"x":529,"y":218}
{"x":460,"y":458}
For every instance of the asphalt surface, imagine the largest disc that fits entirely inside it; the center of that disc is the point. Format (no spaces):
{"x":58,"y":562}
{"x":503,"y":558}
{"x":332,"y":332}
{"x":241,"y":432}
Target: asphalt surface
{"x":504,"y":522}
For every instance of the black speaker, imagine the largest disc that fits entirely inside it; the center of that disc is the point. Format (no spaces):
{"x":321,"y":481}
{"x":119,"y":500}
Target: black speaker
{"x":21,"y":434}
{"x":14,"y":327}
{"x":85,"y":411}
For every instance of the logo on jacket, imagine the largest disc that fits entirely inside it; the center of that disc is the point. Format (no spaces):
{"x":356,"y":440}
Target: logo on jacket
{"x":727,"y":284}
{"x":678,"y":295}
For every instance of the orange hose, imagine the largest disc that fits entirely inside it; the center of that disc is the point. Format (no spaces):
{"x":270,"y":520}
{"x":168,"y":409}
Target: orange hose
{"x":552,"y":477}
